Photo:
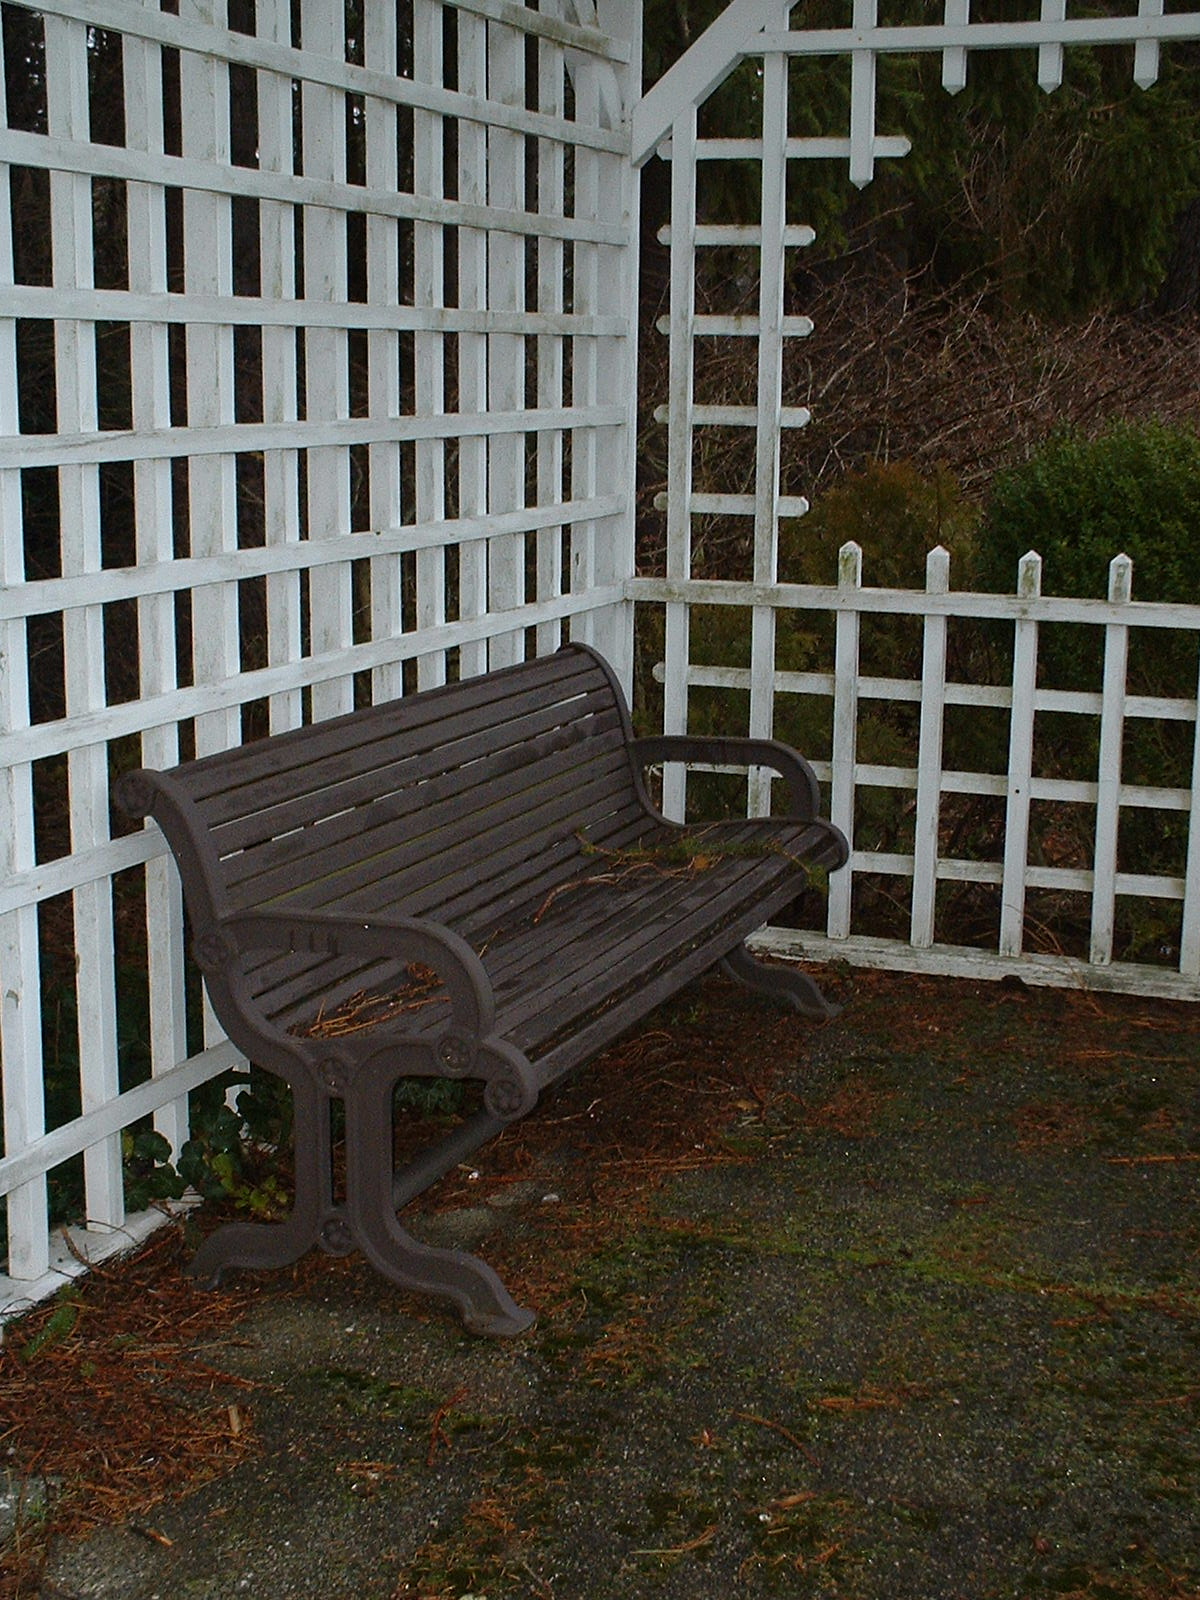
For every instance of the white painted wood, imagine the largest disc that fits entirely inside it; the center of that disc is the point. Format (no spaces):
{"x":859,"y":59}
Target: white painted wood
{"x":703,"y":68}
{"x":429,"y":350}
{"x":154,"y":523}
{"x":844,"y":755}
{"x":311,"y":651}
{"x":1146,"y":51}
{"x":862,"y":95}
{"x":208,"y":270}
{"x":586,"y":290}
{"x":929,"y":758}
{"x":953,"y":961}
{"x":473,"y":348}
{"x":20,"y":985}
{"x":1108,"y":773}
{"x":826,"y":148}
{"x":704,"y":416}
{"x":1189,"y":939}
{"x":280,"y":378}
{"x":117,"y":305}
{"x":506,"y":355}
{"x":186,"y":35}
{"x":326,"y":352}
{"x":1020,"y":763}
{"x":35,"y":150}
{"x":768,"y":408}
{"x":1050,"y":56}
{"x":551,"y":262}
{"x":983,"y":35}
{"x":679,"y":447}
{"x":83,"y":630}
{"x":954,"y":57}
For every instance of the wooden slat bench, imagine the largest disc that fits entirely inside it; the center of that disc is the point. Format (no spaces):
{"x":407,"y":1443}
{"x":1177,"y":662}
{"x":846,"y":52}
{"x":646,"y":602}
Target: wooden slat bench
{"x":479,"y":866}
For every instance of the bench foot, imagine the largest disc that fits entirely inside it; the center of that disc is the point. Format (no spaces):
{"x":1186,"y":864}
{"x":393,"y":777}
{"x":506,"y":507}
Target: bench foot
{"x":474,"y":1290}
{"x":787,"y":985}
{"x":252,"y":1244}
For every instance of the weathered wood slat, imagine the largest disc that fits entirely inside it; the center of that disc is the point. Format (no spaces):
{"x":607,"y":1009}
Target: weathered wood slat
{"x":287,"y":862}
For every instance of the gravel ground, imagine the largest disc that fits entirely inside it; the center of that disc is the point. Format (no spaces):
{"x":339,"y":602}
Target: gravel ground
{"x":911,"y":1310}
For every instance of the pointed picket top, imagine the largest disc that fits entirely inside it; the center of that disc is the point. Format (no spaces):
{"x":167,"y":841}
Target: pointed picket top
{"x":954,"y":57}
{"x":1029,"y":576}
{"x":1120,"y":580}
{"x":1050,"y":56}
{"x":937,"y":570}
{"x":850,"y":565}
{"x":1146,"y":51}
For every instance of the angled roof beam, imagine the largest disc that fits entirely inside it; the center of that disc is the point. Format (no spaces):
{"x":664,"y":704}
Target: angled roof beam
{"x":700,"y":70}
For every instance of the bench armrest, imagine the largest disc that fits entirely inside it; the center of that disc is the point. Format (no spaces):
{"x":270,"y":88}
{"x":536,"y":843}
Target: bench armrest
{"x":409,"y":939}
{"x":804,"y":795}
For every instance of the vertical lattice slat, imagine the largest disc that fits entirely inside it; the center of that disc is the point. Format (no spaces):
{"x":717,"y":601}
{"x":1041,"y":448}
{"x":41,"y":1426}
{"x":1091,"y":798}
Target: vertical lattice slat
{"x":768,"y":415}
{"x":844,"y":755}
{"x":506,"y":351}
{"x":83,"y":626}
{"x":208,"y":273}
{"x":1146,"y":51}
{"x":326,"y":353}
{"x":1020,"y":762}
{"x":472,"y":347}
{"x":154,"y":520}
{"x":862,"y":98}
{"x":280,"y":379}
{"x":1108,"y":767}
{"x":550,"y":265}
{"x":429,"y":267}
{"x":1189,"y":939}
{"x":1050,"y":56}
{"x":584,"y":364}
{"x":929,"y":756}
{"x":679,"y":443}
{"x":380,"y":43}
{"x":954,"y":57}
{"x":20,"y":979}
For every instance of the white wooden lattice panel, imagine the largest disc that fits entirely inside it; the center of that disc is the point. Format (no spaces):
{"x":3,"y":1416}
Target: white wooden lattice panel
{"x":308,"y":393}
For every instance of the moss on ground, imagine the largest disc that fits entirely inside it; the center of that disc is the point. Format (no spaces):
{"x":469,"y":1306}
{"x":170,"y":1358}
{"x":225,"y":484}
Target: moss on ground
{"x":918,"y":1316}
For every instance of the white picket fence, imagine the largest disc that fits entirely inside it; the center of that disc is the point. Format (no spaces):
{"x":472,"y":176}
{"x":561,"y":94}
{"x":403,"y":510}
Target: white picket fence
{"x":316,"y":383}
{"x":1023,"y":778}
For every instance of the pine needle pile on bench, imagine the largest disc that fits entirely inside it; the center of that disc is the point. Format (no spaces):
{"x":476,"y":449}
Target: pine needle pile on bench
{"x":471,"y":882}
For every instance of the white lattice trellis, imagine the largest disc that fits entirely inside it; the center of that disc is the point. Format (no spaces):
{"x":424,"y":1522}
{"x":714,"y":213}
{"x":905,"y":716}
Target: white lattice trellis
{"x":314,"y":395}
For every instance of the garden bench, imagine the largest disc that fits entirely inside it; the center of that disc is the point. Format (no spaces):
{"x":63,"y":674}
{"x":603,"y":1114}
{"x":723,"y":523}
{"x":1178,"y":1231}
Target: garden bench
{"x":470,"y":882}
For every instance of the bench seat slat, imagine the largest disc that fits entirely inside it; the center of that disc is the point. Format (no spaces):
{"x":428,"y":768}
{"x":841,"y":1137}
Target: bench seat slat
{"x":614,"y":948}
{"x":334,"y":787}
{"x":222,"y":782}
{"x":384,"y":840}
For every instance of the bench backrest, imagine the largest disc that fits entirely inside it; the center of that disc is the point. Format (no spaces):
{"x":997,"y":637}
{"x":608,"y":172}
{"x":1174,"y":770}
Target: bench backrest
{"x":456,"y":800}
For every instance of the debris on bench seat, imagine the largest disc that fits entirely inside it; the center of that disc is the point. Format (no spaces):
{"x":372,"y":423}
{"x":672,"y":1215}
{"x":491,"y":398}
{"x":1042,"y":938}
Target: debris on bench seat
{"x":471,"y":882}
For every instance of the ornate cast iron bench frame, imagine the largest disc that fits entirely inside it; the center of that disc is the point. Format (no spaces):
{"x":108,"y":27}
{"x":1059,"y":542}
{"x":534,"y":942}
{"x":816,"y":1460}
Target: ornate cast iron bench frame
{"x":490,"y":850}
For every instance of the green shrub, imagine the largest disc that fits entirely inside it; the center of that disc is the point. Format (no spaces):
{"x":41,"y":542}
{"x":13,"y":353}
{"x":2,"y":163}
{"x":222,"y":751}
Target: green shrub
{"x":1133,"y":489}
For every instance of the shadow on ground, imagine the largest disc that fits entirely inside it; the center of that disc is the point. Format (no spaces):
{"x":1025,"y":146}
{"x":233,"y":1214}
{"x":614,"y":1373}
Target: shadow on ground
{"x":907,"y":1305}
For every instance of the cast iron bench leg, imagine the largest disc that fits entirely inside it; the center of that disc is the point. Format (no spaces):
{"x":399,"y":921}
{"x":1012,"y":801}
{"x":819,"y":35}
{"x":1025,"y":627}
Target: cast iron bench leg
{"x":469,"y":1284}
{"x":278,"y":1244}
{"x":785,"y":984}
